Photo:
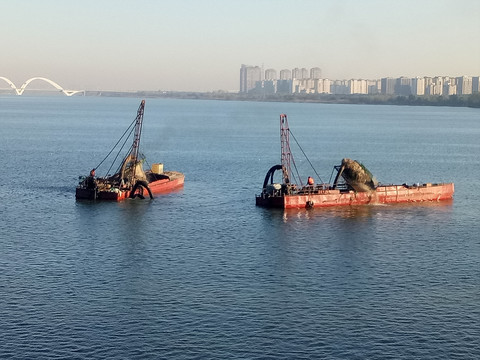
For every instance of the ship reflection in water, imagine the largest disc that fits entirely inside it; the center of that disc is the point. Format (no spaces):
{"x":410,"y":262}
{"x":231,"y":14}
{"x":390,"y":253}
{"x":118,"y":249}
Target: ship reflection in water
{"x":363,"y":212}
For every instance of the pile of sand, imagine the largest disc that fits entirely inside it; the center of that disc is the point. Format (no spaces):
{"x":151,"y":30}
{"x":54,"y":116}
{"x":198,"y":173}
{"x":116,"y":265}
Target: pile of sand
{"x":357,"y":176}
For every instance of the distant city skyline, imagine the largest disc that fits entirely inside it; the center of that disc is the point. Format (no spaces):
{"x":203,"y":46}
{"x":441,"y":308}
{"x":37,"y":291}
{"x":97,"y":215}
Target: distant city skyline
{"x":255,"y":80}
{"x":185,"y":46}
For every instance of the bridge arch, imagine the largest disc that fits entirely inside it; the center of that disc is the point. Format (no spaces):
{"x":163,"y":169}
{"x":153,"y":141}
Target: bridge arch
{"x":12,"y":85}
{"x":51,"y":82}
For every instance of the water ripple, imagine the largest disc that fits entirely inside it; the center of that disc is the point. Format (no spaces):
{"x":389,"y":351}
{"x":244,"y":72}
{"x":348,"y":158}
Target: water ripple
{"x":203,"y":273}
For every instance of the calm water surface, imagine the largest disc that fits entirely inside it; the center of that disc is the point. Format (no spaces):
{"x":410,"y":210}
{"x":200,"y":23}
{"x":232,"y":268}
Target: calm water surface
{"x":203,"y":273}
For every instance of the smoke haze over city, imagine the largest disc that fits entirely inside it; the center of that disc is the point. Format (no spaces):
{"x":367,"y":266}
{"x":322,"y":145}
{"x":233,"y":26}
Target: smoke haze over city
{"x":199,"y":45}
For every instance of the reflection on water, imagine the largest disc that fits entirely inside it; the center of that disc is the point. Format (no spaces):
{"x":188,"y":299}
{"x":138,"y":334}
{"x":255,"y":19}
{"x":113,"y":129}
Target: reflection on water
{"x":363,"y":211}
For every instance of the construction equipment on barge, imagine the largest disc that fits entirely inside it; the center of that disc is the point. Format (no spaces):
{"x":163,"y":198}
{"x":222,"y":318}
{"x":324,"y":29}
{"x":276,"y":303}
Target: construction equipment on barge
{"x":353,"y":185}
{"x":130,"y":180}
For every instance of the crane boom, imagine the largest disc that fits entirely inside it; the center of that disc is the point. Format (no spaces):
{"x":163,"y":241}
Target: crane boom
{"x":285,"y":148}
{"x":137,"y":134}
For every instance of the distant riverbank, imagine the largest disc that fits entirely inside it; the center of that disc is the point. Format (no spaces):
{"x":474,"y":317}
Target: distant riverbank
{"x":472,"y":100}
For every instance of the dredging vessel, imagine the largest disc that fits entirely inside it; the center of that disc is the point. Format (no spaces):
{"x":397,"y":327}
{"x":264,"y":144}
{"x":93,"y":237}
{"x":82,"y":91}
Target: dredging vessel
{"x":353,"y":185}
{"x":130,"y":180}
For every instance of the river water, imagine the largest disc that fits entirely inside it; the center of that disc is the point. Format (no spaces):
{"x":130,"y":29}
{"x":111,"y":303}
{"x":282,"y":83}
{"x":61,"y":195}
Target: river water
{"x":203,"y":272}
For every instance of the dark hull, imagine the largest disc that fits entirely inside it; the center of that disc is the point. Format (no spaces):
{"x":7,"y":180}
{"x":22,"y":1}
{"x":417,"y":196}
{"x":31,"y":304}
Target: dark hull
{"x":171,"y":181}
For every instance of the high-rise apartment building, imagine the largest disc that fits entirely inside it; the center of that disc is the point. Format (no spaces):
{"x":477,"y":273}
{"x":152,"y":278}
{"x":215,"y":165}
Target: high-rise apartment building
{"x":339,"y":87}
{"x":315,"y":73}
{"x":434,"y":86}
{"x":388,"y":86}
{"x":418,"y":86}
{"x":303,"y":86}
{"x":374,"y":87}
{"x":296,"y":73}
{"x":438,"y":85}
{"x":322,"y":86}
{"x":449,"y":86}
{"x":249,"y":75}
{"x":300,"y":74}
{"x":270,"y":74}
{"x":285,"y":74}
{"x":357,"y":86}
{"x":428,"y":85}
{"x":464,"y":85}
{"x":475,"y":84}
{"x":284,"y":86}
{"x":304,"y":73}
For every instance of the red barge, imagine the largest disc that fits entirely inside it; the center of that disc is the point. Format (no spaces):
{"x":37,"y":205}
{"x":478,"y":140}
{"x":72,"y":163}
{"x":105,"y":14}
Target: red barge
{"x":353,"y":185}
{"x":130,"y":180}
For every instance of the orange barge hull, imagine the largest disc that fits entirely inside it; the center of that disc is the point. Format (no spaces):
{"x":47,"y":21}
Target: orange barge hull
{"x":175,"y":181}
{"x":389,"y":194}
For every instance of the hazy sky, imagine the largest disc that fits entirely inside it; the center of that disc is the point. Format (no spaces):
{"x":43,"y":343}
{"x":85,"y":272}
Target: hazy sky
{"x":199,"y":45}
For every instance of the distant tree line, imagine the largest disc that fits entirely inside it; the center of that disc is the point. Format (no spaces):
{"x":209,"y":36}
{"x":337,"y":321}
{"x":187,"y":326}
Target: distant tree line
{"x":472,"y":100}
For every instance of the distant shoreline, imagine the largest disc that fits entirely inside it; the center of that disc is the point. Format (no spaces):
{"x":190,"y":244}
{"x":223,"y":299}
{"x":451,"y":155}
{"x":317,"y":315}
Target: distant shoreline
{"x":472,"y":101}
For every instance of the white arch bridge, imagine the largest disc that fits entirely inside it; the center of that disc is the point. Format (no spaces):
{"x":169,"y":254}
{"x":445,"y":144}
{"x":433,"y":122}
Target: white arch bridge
{"x":20,"y":90}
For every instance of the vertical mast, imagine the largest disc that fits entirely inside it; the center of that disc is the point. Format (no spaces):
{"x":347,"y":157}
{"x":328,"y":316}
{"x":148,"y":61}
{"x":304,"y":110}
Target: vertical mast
{"x":285,"y":144}
{"x":137,"y":135}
